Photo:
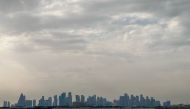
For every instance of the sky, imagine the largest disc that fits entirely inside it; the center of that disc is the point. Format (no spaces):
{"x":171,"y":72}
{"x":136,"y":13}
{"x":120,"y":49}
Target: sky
{"x":103,"y":47}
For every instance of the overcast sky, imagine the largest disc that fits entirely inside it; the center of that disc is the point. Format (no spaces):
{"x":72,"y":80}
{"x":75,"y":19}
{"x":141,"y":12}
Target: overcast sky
{"x":103,"y":47}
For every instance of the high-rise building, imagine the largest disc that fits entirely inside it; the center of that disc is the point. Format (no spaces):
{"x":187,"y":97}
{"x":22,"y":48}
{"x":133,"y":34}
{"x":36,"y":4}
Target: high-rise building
{"x":69,"y":99}
{"x":42,"y":102}
{"x":132,"y":101}
{"x":55,"y":100}
{"x":167,"y":104}
{"x":6,"y":104}
{"x":21,"y":101}
{"x":157,"y":103}
{"x":147,"y":102}
{"x":100,"y":101}
{"x":45,"y":103}
{"x":142,"y":100}
{"x":126,"y":100}
{"x":91,"y":100}
{"x":62,"y":99}
{"x":152,"y":102}
{"x":94,"y":100}
{"x":34,"y":103}
{"x":77,"y":98}
{"x":82,"y":99}
{"x":28,"y":103}
{"x":137,"y":102}
{"x":49,"y":101}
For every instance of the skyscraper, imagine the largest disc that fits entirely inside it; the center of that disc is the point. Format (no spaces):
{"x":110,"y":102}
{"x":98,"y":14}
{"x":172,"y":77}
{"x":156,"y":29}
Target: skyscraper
{"x":6,"y":104}
{"x":78,"y":99}
{"x":82,"y":99}
{"x":132,"y":101}
{"x":142,"y":100}
{"x":34,"y":103}
{"x":137,"y":102}
{"x":167,"y":104}
{"x":55,"y":100}
{"x":69,"y":99}
{"x":21,"y":101}
{"x":147,"y":102}
{"x":42,"y":102}
{"x":28,"y":103}
{"x":62,"y":99}
{"x":126,"y":100}
{"x":49,"y":101}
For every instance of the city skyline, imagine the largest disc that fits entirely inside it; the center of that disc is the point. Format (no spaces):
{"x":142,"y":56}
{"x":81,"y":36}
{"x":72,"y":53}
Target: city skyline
{"x":66,"y":100}
{"x":103,"y":47}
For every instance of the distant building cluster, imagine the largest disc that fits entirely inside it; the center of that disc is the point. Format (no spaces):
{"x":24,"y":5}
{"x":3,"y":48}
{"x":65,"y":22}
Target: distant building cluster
{"x":6,"y":104}
{"x":167,"y":104}
{"x":136,"y":101}
{"x":66,"y":100}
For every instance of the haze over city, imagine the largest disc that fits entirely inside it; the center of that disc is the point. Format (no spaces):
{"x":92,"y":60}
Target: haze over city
{"x":103,"y":47}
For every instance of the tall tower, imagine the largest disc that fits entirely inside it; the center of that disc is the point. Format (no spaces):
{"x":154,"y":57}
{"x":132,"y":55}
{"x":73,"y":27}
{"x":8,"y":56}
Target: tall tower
{"x":69,"y":99}
{"x":55,"y":100}
{"x":34,"y":103}
{"x":21,"y":101}
{"x":77,"y":98}
{"x":49,"y":101}
{"x":82,"y":99}
{"x":62,"y":99}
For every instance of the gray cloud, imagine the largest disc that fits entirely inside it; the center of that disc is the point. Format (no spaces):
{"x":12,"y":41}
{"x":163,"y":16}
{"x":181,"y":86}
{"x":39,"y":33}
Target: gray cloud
{"x":21,"y":22}
{"x":78,"y":45}
{"x":9,"y":6}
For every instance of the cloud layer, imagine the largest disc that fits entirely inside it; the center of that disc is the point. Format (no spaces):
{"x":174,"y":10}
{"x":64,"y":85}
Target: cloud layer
{"x":95,"y":46}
